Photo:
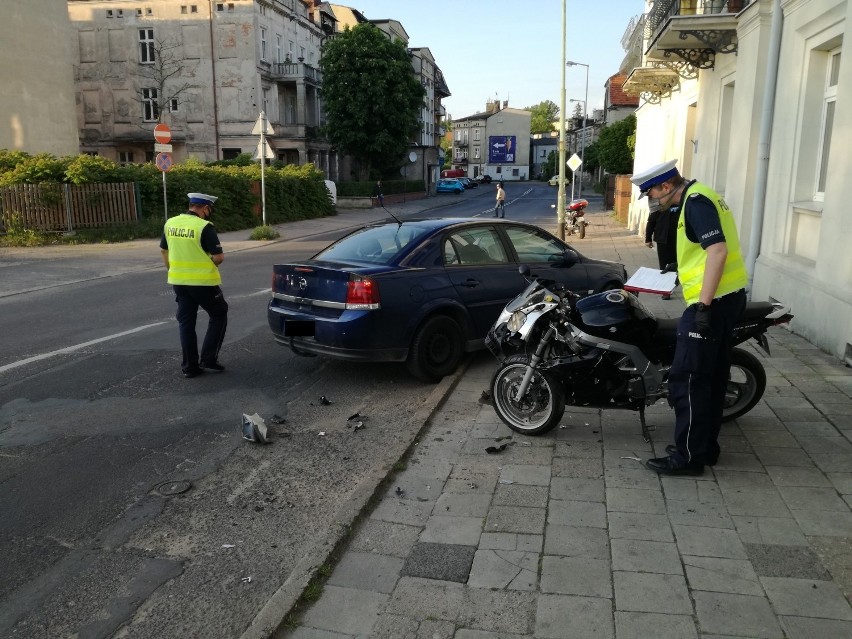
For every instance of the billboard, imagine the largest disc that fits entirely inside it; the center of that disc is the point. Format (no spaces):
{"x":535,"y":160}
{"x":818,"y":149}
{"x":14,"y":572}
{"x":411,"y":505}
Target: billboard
{"x":501,"y":149}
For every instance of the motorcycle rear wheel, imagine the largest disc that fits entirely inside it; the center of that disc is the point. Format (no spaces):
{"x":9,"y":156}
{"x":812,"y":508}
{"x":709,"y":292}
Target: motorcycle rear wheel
{"x":582,"y":230}
{"x":539,"y":410}
{"x":746,"y":385}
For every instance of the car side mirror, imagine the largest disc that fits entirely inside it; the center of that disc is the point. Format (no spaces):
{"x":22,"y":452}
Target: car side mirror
{"x":524,"y":270}
{"x":570,"y":257}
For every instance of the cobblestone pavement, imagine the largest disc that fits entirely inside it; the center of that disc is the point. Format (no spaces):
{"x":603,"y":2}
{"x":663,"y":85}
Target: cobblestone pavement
{"x":567,"y":535}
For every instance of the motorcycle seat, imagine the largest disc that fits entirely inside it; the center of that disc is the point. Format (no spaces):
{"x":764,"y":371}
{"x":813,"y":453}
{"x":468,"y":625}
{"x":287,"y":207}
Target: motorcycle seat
{"x":757,"y":310}
{"x":666,"y":330}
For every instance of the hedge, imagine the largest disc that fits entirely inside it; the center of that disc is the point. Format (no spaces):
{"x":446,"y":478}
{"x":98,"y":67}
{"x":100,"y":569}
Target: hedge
{"x":292,"y":192}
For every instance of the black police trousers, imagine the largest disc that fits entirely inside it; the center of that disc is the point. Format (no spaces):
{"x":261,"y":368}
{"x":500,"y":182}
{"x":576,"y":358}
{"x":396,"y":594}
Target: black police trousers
{"x":698,"y":379}
{"x":212,"y":300}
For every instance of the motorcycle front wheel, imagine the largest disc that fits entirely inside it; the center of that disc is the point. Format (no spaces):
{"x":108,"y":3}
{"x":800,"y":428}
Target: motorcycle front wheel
{"x":536,"y":412}
{"x":746,"y":385}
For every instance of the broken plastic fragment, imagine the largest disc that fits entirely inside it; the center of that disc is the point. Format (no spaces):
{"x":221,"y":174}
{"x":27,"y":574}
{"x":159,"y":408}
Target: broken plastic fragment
{"x":322,"y":433}
{"x":254,"y":429}
{"x":506,"y":481}
{"x":246,"y":580}
{"x":229,"y":546}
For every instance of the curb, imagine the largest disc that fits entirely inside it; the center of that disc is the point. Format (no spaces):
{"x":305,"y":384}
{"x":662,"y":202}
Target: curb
{"x":273,"y":614}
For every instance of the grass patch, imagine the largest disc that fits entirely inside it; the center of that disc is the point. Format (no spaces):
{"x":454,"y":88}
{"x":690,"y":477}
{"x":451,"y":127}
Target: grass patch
{"x":264,"y":233}
{"x":400,"y":466}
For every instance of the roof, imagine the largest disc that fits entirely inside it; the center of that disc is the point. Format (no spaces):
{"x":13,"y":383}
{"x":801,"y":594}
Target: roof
{"x":617,"y":96}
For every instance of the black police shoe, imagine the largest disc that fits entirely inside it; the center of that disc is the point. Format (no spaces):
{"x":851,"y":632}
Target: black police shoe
{"x":213,"y":366}
{"x":669,"y":466}
{"x":192,"y":372}
{"x":671,"y":449}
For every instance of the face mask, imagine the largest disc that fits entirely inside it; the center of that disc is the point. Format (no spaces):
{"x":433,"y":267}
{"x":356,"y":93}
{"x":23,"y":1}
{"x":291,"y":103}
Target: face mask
{"x":654,"y":204}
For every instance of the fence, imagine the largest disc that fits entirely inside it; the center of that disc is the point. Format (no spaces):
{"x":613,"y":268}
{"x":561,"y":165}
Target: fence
{"x":65,"y":207}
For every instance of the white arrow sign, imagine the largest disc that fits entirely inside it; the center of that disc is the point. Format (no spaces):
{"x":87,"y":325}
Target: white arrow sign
{"x":258,"y":126}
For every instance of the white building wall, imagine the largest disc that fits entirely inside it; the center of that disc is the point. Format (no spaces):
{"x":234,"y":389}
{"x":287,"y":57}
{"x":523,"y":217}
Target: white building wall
{"x":37,"y":112}
{"x":805,"y":259}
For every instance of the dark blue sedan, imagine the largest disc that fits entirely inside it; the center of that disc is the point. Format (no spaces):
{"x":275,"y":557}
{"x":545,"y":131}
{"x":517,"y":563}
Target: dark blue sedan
{"x":422,"y":291}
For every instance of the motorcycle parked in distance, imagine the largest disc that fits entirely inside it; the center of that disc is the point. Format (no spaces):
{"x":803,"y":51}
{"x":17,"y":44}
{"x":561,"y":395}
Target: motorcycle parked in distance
{"x":575,"y":221}
{"x":603,"y":351}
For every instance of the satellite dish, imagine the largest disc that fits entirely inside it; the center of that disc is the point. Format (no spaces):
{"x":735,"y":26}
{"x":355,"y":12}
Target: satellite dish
{"x":412,"y":157}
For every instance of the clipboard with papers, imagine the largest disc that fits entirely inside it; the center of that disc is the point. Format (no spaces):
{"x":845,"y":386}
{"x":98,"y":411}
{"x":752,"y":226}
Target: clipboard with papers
{"x":650,"y":280}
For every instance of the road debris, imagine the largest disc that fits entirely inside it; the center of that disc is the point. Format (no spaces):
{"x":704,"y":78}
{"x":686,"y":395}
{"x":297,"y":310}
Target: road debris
{"x":322,"y":433}
{"x":325,"y":401}
{"x":246,"y":580}
{"x":628,"y":457}
{"x":254,"y":429}
{"x":277,"y":419}
{"x":399,"y":492}
{"x":229,"y":545}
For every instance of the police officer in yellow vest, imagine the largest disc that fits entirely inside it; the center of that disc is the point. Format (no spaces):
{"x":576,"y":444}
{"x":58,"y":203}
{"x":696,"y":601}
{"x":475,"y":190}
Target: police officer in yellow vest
{"x":192,"y":253}
{"x":713,"y":276}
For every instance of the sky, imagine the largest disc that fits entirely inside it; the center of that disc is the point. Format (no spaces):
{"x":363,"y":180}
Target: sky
{"x":512,"y":49}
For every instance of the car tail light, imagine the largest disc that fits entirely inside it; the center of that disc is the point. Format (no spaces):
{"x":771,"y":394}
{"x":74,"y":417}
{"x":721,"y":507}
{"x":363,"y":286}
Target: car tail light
{"x":362,"y":293}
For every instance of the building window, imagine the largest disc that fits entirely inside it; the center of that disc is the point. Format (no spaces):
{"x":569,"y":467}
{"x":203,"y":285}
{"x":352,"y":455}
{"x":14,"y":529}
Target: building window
{"x":109,"y":13}
{"x":93,"y":154}
{"x":476,"y":153}
{"x":125,"y":157}
{"x":149,"y":12}
{"x":173,"y":105}
{"x":476,"y":134}
{"x":183,"y":8}
{"x":149,"y":157}
{"x":262,"y":43}
{"x":138,"y":13}
{"x":829,"y":102}
{"x":146,"y":46}
{"x":193,"y":8}
{"x":119,"y":13}
{"x":220,"y":6}
{"x":231,"y":154}
{"x":279,"y":48}
{"x":301,"y":53}
{"x":150,"y":106}
{"x":265,"y":100}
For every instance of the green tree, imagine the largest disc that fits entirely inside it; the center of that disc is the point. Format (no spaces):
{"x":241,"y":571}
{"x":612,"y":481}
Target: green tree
{"x":548,"y":169}
{"x":446,"y":142}
{"x":542,"y":116}
{"x":613,"y":148}
{"x":372,"y":97}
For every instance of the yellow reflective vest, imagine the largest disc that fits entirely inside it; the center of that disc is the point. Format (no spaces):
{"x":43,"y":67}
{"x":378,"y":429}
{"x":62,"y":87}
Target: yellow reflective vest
{"x":691,"y":258}
{"x":188,"y":263}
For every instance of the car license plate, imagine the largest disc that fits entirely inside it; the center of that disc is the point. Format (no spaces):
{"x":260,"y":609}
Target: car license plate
{"x":299,"y":328}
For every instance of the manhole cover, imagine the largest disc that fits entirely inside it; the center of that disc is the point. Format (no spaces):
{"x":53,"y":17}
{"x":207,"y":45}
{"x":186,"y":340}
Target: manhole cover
{"x":173,"y":487}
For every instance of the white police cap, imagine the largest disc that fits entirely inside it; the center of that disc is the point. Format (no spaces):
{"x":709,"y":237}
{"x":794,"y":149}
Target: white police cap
{"x":202,"y":198}
{"x":657,"y":174}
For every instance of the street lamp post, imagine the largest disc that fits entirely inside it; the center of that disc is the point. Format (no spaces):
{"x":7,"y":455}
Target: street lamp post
{"x":582,"y":150}
{"x":560,"y":197}
{"x":585,"y":109}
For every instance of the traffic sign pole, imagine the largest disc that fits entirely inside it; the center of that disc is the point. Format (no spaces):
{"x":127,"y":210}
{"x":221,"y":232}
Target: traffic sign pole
{"x":163,"y":135}
{"x":165,"y":199}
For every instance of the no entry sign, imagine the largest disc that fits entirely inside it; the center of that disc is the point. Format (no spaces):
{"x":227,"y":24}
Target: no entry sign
{"x":162,"y":133}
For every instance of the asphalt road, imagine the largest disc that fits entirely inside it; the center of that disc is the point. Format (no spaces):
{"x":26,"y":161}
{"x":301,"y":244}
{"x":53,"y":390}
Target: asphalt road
{"x":129,"y":503}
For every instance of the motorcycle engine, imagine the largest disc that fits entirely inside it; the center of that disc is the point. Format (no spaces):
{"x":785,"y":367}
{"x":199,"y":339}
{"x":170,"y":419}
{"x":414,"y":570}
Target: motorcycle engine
{"x":615,"y":315}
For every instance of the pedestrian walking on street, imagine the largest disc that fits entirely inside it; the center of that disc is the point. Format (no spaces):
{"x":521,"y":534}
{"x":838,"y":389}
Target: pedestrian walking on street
{"x":378,"y":194}
{"x":662,"y":228}
{"x":192,"y":254}
{"x":713,"y":275}
{"x":501,"y":201}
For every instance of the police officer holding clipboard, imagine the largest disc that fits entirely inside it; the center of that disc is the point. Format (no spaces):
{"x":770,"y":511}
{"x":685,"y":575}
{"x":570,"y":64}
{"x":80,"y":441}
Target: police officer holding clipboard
{"x":713,"y":276}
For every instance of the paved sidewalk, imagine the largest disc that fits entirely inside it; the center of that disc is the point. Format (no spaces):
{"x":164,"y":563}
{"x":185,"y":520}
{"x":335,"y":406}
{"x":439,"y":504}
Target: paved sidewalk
{"x":567,"y":535}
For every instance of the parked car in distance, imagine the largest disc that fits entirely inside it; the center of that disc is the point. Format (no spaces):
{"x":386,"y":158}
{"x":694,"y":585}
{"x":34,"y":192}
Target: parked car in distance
{"x":421,"y":291}
{"x":483,"y":178}
{"x":449,"y":185}
{"x":554,"y":181}
{"x":467,"y":182}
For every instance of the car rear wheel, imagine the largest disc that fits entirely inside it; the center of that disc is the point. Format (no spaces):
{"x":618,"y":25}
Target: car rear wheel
{"x":436,"y":350}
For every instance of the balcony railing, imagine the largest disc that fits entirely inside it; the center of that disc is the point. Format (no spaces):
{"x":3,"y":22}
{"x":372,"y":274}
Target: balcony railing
{"x":662,"y":10}
{"x":296,"y":71}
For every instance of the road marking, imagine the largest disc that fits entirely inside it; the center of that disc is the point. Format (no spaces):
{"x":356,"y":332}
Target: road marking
{"x":71,"y":349}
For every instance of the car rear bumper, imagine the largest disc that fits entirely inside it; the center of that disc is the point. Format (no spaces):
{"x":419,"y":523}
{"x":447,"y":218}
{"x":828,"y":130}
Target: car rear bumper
{"x":307,"y":345}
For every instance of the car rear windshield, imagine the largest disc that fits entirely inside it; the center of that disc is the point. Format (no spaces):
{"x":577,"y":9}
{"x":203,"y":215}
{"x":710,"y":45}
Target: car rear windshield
{"x":376,"y":245}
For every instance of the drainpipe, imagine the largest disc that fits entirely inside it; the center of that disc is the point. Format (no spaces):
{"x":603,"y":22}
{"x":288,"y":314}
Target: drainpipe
{"x":213,"y":66}
{"x":762,"y":168}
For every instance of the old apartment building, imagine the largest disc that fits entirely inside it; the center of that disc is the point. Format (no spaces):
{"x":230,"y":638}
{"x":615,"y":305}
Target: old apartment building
{"x":207,"y":69}
{"x":495,"y":142}
{"x":752,"y":97}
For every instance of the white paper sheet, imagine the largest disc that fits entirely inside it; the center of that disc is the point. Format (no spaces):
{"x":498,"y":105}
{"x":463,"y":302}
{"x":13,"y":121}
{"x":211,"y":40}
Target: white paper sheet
{"x":650,"y":280}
